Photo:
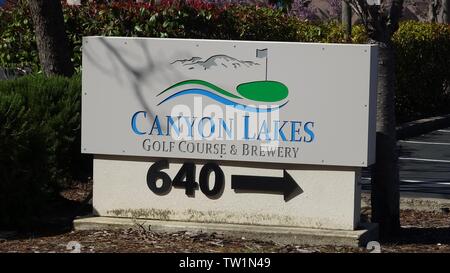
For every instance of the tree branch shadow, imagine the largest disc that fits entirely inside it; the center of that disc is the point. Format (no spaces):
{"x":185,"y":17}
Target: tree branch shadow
{"x":137,"y":75}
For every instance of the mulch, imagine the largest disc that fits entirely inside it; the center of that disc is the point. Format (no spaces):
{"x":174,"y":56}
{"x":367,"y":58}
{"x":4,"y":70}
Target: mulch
{"x":422,"y":231}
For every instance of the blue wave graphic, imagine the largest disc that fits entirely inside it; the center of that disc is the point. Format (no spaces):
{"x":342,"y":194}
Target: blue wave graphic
{"x":225,"y":101}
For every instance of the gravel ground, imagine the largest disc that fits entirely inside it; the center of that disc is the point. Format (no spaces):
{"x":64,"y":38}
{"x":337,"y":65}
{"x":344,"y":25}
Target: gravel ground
{"x":422,"y":231}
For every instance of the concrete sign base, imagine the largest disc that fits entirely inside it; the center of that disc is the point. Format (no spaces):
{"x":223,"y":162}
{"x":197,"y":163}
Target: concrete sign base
{"x":281,"y":235}
{"x":326,"y":197}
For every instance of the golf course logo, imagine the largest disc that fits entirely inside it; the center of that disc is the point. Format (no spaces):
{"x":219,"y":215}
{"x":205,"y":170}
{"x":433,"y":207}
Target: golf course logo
{"x":252,"y":108}
{"x":266,"y":92}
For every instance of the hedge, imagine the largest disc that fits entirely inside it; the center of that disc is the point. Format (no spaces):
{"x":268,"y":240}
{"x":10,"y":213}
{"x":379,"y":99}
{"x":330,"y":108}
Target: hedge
{"x":196,"y":19}
{"x":423,"y":70}
{"x":39,"y":143}
{"x":423,"y":56}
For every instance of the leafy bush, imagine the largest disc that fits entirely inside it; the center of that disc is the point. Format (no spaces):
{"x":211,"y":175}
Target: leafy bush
{"x":17,"y":41}
{"x":423,"y":57}
{"x":21,"y":161}
{"x":39,"y":142}
{"x":423,"y":69}
{"x":196,"y":19}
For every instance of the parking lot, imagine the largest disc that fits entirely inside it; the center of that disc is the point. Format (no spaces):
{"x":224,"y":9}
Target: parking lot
{"x":424,"y":165}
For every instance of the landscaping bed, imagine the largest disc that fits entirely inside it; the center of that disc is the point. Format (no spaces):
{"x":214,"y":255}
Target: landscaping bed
{"x":422,"y":231}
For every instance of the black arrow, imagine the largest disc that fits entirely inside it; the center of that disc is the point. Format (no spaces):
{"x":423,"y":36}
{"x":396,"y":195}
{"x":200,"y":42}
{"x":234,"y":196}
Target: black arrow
{"x":285,"y":185}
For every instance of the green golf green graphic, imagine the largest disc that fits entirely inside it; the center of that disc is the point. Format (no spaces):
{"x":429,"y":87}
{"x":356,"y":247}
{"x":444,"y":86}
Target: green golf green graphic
{"x":258,"y":91}
{"x":267,"y":91}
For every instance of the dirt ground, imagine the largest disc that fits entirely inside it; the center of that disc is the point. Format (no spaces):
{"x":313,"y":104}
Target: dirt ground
{"x":421,"y":232}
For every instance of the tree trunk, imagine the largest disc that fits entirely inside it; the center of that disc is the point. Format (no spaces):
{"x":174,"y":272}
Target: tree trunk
{"x":385,"y":179}
{"x":433,"y":11}
{"x":381,"y":22}
{"x":347,"y":19}
{"x":51,"y":38}
{"x":446,"y":11}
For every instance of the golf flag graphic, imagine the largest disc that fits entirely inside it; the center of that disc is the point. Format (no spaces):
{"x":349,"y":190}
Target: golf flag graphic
{"x":262,"y":53}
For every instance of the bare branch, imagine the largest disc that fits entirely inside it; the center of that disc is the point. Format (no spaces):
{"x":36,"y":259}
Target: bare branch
{"x":380,"y":21}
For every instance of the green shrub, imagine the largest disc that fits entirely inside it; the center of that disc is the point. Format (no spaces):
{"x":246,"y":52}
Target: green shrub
{"x":193,"y":20}
{"x":423,"y":57}
{"x":22,"y":159}
{"x":17,"y":41}
{"x":423,"y":69}
{"x":39,"y":142}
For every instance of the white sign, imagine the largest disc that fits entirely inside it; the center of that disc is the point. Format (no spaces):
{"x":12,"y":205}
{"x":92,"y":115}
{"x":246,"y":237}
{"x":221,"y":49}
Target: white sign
{"x":322,"y":197}
{"x":279,"y":102}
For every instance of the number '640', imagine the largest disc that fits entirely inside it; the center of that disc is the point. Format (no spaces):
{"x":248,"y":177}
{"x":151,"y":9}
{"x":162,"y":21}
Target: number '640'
{"x":185,"y":178}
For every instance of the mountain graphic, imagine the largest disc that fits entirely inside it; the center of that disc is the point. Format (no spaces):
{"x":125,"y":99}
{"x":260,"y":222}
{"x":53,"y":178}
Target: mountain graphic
{"x":214,"y":62}
{"x":269,"y":95}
